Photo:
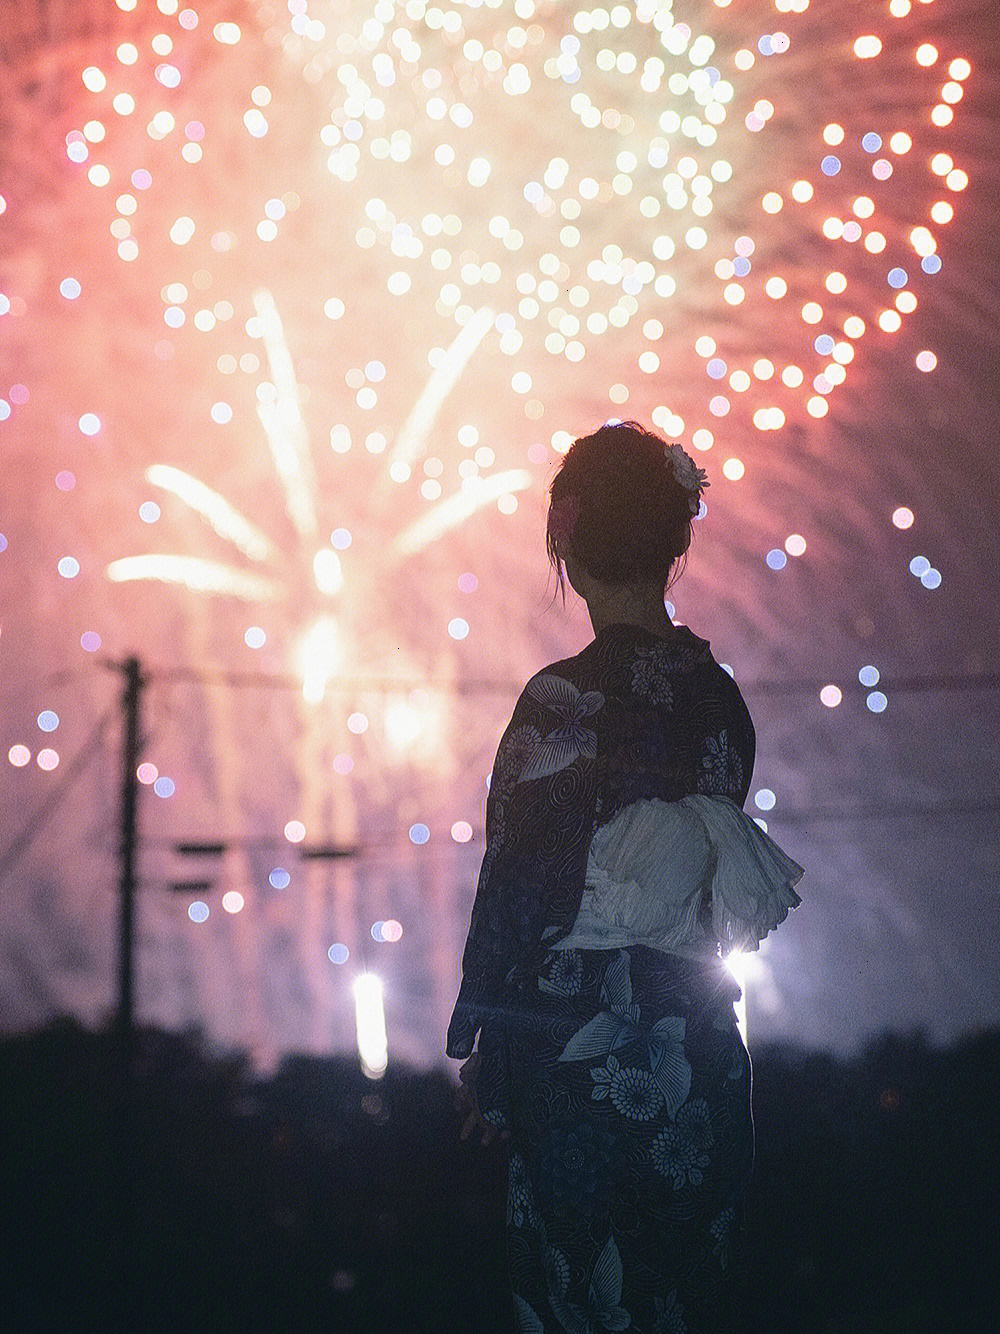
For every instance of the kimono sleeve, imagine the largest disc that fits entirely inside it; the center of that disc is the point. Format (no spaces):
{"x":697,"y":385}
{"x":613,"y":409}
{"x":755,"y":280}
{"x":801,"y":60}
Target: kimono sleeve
{"x":509,"y":902}
{"x":741,"y":748}
{"x":729,"y":745}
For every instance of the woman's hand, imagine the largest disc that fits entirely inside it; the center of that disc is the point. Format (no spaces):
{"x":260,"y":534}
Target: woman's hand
{"x":466,"y":1101}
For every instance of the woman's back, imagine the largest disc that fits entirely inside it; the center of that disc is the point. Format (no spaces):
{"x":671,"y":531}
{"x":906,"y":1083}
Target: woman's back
{"x":618,"y":858}
{"x":633,"y":716}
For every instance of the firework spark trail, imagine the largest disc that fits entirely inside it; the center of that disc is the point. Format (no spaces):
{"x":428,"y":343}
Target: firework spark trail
{"x":318,"y":649}
{"x":282,"y":421}
{"x":585,"y":85}
{"x":661,"y":268}
{"x":412,"y":439}
{"x":448,"y":514}
{"x":224,"y":518}
{"x":195,"y":573}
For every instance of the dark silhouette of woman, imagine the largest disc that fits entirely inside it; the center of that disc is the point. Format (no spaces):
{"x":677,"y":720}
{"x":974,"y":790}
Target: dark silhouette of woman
{"x":619,"y":871}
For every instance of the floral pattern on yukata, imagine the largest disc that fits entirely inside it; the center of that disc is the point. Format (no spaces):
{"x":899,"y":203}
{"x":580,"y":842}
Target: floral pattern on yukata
{"x":669,"y":1316}
{"x":619,"y":1074}
{"x":679,"y":1150}
{"x":565,"y":979}
{"x":578,"y":1160}
{"x":633,"y":1092}
{"x":636,"y":1093}
{"x":651,"y":673}
{"x":631,"y":1146}
{"x":722,"y":1234}
{"x":719,"y":760}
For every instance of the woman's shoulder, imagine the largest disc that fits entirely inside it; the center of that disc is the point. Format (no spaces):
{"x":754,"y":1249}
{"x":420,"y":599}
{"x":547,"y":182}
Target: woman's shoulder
{"x":733,"y":696}
{"x":625,"y":660}
{"x":623,"y":642}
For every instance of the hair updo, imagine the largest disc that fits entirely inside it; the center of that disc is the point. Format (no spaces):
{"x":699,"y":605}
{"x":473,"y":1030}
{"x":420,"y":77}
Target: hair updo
{"x":634,"y":517}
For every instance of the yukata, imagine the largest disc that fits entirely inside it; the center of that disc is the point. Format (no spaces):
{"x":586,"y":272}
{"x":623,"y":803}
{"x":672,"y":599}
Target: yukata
{"x":619,"y":870}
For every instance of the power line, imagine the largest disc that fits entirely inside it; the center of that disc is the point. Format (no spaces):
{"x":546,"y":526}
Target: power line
{"x":891,"y":812}
{"x":900,"y":685}
{"x":79,"y":760}
{"x":347,"y":684}
{"x":390,"y":849}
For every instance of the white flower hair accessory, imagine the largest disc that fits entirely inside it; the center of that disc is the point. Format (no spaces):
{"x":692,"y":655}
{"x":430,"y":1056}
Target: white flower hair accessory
{"x":690,"y":477}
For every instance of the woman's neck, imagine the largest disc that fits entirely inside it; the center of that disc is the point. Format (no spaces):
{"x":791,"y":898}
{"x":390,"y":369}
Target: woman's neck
{"x":657,"y":622}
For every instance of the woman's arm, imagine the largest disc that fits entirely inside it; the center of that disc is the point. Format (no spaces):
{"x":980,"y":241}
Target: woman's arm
{"x":539,"y":811}
{"x":490,"y":942}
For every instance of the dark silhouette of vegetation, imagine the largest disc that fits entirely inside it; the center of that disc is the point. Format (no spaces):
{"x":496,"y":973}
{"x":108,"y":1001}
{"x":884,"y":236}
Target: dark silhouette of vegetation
{"x":319,"y":1200}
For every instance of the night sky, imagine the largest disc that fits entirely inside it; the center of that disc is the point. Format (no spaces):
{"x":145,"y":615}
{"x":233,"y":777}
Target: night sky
{"x":300,"y":306}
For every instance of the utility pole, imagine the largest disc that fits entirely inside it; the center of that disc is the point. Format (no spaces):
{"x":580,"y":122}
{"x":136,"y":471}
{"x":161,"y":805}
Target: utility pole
{"x":131,"y":703}
{"x":125,"y":1160}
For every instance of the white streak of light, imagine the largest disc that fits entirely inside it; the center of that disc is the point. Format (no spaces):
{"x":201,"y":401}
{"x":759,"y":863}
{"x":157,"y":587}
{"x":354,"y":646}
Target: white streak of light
{"x":740,"y":965}
{"x":373,"y":1047}
{"x":201,"y":576}
{"x":226,"y":520}
{"x":282,"y":420}
{"x":416,"y":428}
{"x":327,"y":572}
{"x":456,"y":509}
{"x":318,"y":658}
{"x":403,"y":724}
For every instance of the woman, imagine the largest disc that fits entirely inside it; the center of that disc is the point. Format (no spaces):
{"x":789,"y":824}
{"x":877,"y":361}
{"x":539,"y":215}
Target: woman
{"x":619,"y":870}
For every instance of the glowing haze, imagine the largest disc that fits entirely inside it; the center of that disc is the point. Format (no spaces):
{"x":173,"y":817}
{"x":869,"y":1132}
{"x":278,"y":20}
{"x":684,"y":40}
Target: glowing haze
{"x":303,"y":304}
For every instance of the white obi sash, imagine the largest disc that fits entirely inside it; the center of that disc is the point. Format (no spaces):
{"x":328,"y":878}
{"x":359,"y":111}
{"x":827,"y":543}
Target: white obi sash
{"x":649,"y":868}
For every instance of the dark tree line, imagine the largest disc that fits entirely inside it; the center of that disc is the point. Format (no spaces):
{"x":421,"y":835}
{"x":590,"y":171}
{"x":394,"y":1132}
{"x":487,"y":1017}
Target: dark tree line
{"x":317,"y":1200}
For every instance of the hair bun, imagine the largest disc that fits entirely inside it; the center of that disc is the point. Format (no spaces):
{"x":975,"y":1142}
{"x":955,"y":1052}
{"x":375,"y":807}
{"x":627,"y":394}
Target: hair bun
{"x":624,"y":499}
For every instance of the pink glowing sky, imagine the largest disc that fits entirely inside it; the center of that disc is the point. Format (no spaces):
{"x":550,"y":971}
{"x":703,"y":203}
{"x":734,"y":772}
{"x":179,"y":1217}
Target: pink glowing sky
{"x":308,"y":307}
